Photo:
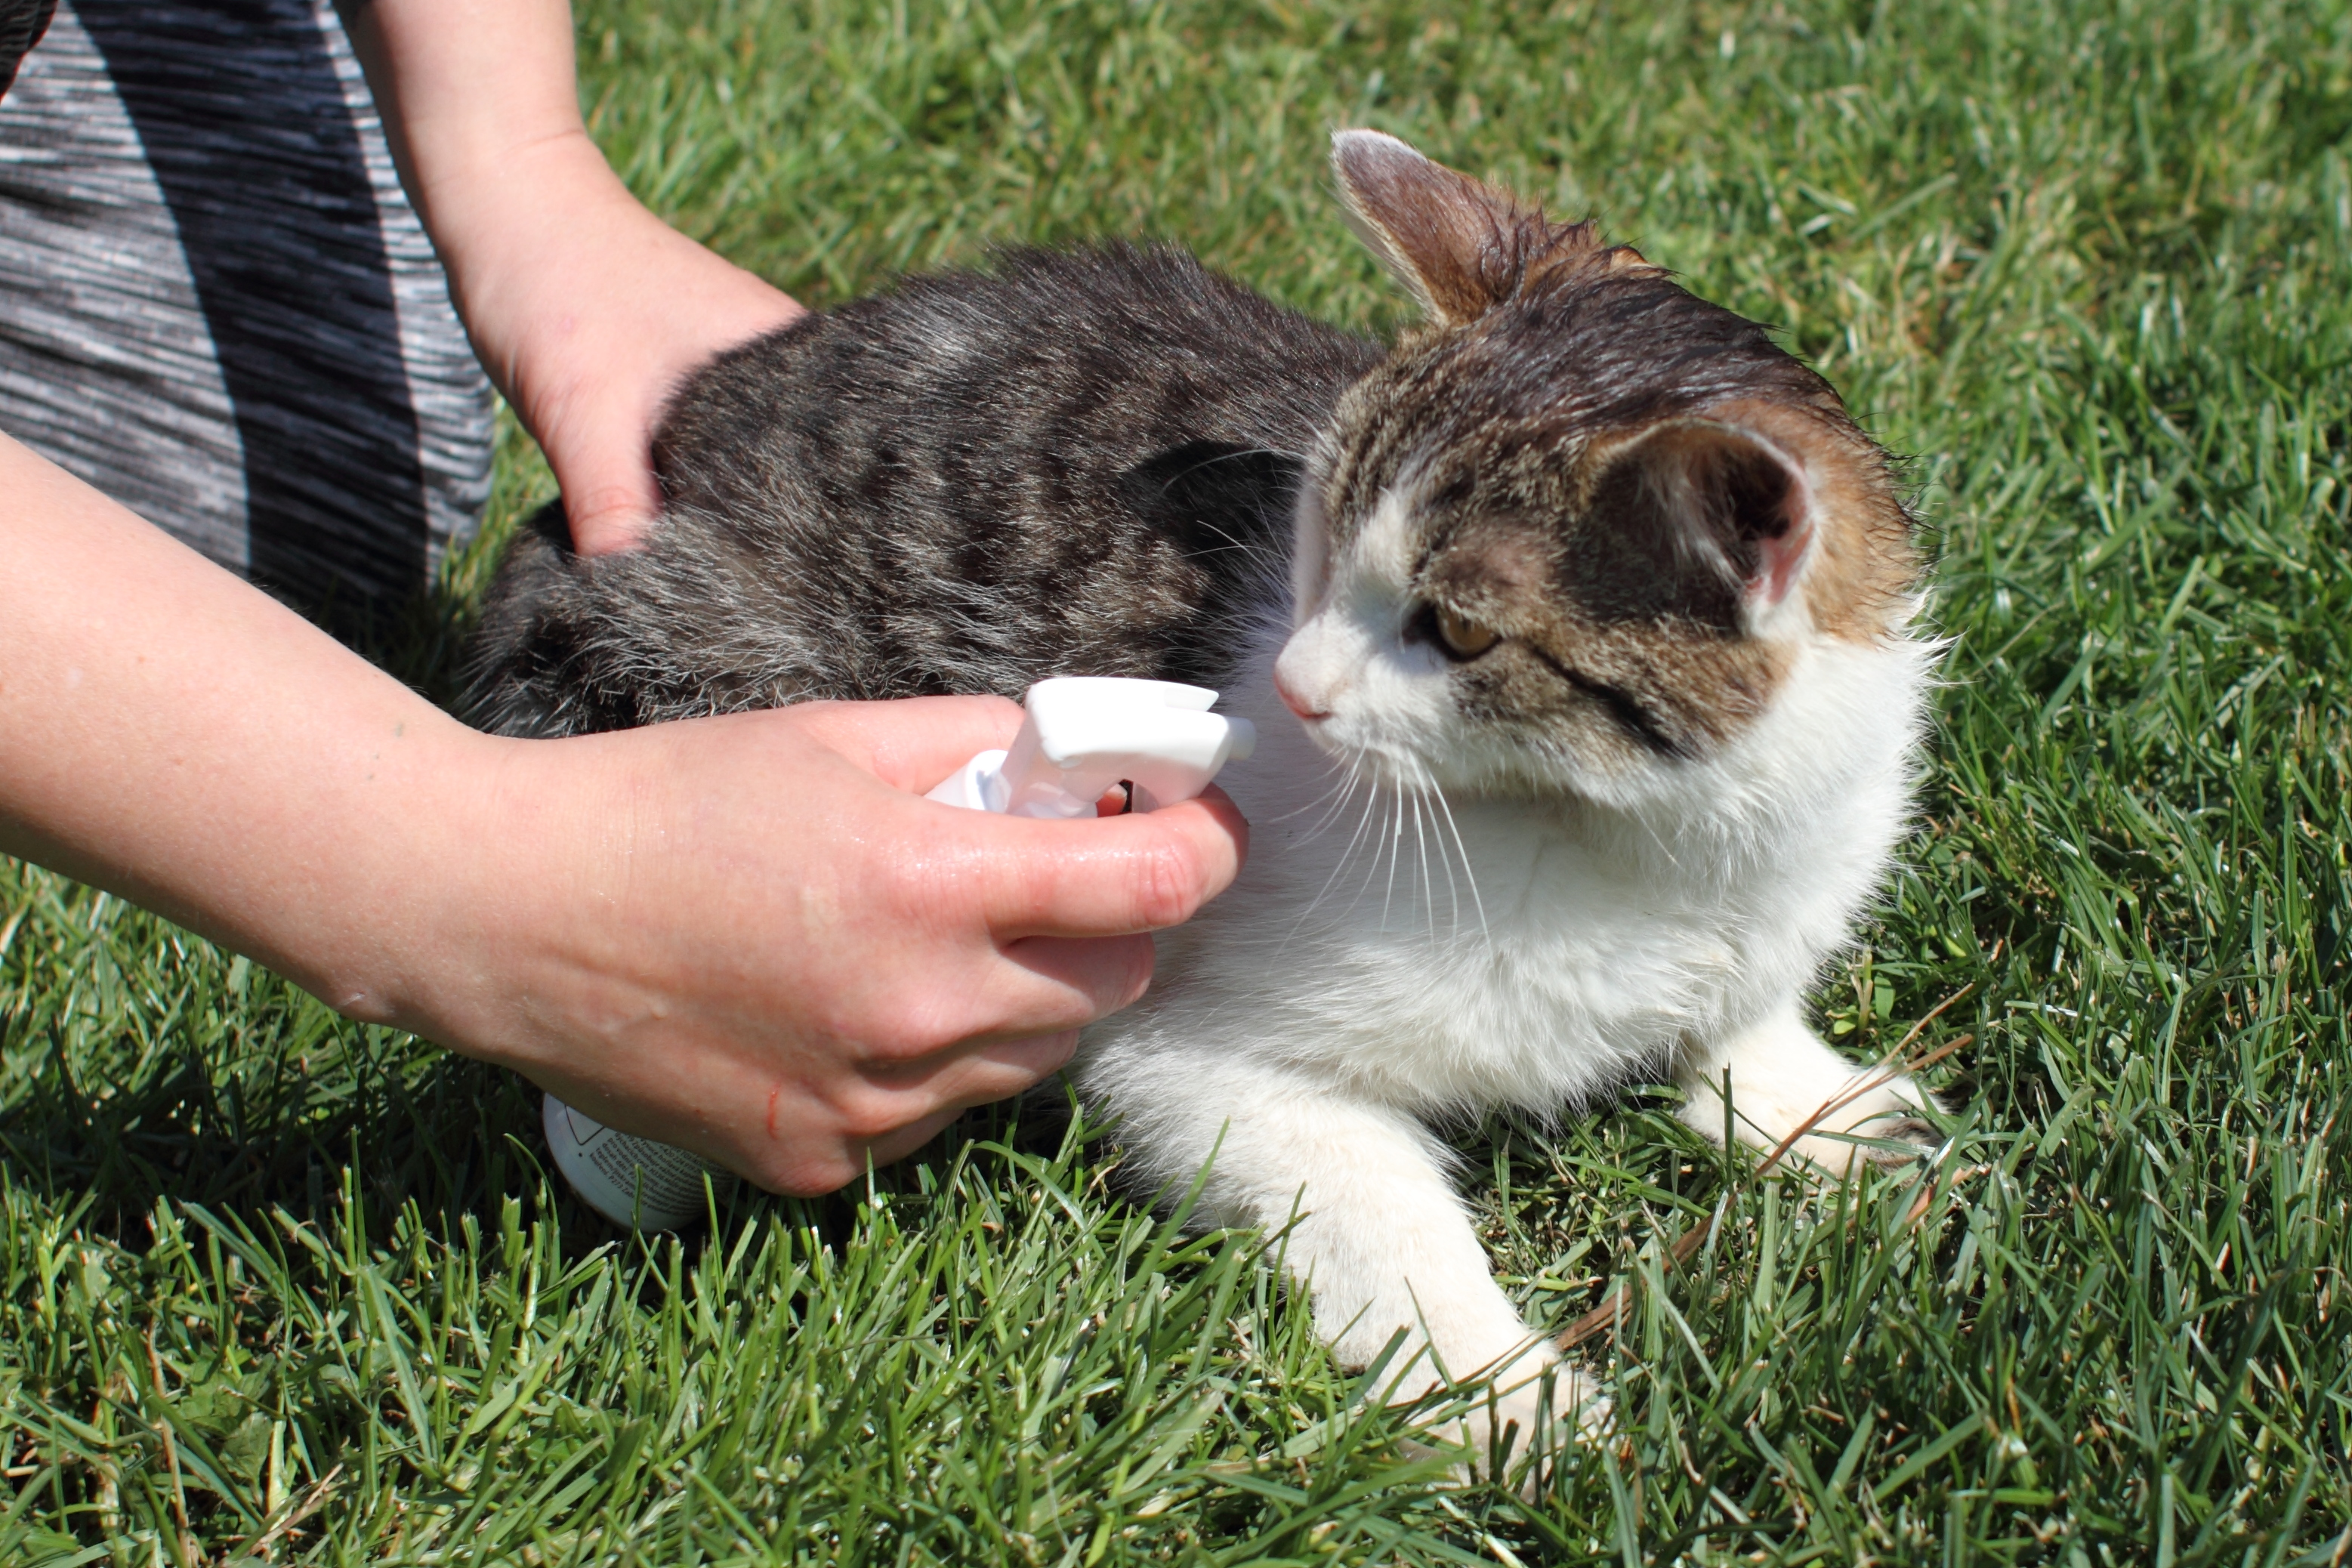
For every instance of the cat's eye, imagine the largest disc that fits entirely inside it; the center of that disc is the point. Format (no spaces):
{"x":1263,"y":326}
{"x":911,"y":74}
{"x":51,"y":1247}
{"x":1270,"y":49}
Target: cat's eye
{"x":1464,"y":637}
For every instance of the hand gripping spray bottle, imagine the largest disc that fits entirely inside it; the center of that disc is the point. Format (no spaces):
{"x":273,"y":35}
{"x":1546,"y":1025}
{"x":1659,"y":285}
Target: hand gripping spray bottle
{"x":1082,"y":735}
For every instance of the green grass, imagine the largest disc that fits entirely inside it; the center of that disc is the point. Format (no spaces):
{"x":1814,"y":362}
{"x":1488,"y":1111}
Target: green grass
{"x":2088,"y":264}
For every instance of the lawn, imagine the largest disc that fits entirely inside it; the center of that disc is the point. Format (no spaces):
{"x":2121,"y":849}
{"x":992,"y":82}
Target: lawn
{"x":273,"y":1284}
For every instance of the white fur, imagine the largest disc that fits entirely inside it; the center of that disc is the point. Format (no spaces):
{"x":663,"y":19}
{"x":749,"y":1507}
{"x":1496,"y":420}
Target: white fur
{"x":1534,"y":934}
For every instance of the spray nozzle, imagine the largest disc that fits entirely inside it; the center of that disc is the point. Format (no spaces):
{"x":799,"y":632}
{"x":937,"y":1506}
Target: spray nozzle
{"x":1082,"y":734}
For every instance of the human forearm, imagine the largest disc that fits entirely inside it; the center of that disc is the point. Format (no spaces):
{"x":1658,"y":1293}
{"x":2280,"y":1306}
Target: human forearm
{"x":468,"y":83}
{"x":749,"y":935}
{"x":467,"y":88}
{"x":167,"y":732}
{"x":585,"y":306}
{"x":480,"y":103}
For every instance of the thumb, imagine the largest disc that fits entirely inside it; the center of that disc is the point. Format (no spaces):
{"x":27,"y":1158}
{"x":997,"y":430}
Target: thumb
{"x":609,"y":498}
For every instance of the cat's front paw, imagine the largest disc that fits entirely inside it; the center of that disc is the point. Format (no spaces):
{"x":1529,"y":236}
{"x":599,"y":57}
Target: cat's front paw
{"x":1515,"y":1429}
{"x":1872,"y":1120}
{"x":1789,"y":1093}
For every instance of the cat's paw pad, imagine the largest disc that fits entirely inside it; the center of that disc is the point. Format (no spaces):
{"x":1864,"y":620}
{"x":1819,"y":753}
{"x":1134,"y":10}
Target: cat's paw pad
{"x":1880,"y":1125}
{"x":1918,"y":1131}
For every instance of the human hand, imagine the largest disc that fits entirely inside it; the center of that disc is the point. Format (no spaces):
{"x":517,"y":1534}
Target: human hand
{"x":588,"y":312}
{"x":752,"y":938}
{"x":585,"y":309}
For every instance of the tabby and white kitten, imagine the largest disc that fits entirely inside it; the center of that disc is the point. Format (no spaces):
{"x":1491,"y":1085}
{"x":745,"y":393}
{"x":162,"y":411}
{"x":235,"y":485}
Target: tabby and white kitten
{"x":1573,"y":626}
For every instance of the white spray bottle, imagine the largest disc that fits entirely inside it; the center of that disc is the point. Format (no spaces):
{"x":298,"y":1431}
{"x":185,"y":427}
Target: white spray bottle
{"x":1081,"y":736}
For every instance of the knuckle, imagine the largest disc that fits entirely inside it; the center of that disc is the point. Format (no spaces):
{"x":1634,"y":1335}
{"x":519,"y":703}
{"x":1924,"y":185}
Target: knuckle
{"x":805,"y":1176}
{"x":1051,"y":1053}
{"x":907,"y":1031}
{"x":868,"y":1113}
{"x":1139,"y":964}
{"x":903,"y":1019}
{"x":1168,"y":882}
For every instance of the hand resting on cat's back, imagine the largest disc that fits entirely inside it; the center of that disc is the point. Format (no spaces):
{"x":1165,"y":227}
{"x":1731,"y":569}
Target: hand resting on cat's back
{"x":1574,"y":624}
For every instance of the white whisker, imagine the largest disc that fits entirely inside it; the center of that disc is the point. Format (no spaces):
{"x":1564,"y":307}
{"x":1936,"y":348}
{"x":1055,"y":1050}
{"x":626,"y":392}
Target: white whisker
{"x":1660,"y":843}
{"x":1445,"y":859}
{"x":1346,"y":856}
{"x":1469,"y":873}
{"x":1421,"y":845}
{"x":1355,"y":777}
{"x":1372,"y":871}
{"x":1387,"y":897}
{"x":1334,"y":800}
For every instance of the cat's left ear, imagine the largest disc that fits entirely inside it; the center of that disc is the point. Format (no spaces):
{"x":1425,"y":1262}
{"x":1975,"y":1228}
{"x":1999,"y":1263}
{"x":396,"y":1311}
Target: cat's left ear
{"x":1460,"y":244}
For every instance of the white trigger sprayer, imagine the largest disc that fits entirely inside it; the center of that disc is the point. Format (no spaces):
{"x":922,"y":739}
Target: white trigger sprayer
{"x":1081,"y":736}
{"x":1085,"y":733}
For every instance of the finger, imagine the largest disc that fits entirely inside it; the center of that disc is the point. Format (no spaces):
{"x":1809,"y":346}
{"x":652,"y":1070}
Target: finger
{"x":910,"y":1107}
{"x":608,"y":512}
{"x":1067,"y":983}
{"x":1108,"y":876}
{"x":1044,"y":984}
{"x":603,"y":465}
{"x":914,"y":742}
{"x":899,"y":1145}
{"x":1037,"y":985}
{"x":982,"y":1077}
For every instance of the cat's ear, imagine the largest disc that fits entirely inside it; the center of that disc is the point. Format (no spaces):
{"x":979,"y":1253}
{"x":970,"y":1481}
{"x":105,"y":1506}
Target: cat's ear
{"x":1461,"y":246}
{"x":1722,"y":511}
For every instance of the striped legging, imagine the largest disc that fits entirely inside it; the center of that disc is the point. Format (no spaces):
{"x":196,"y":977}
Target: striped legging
{"x":218,"y":305}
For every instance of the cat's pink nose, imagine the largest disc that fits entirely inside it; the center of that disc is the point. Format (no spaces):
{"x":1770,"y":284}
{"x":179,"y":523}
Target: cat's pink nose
{"x":1296,"y":703}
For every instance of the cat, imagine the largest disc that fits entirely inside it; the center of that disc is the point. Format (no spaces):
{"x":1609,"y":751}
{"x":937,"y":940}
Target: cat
{"x":1585,"y":582}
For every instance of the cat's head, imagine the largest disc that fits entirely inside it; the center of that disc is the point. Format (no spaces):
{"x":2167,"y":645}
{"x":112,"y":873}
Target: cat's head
{"x":1579,"y":531}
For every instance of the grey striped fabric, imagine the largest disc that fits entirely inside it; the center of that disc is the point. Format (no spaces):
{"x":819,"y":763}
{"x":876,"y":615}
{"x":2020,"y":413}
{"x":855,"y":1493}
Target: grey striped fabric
{"x":218,"y":305}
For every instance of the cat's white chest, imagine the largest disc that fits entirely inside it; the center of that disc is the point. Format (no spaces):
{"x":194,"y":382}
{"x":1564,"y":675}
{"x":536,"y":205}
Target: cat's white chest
{"x":1434,"y":955}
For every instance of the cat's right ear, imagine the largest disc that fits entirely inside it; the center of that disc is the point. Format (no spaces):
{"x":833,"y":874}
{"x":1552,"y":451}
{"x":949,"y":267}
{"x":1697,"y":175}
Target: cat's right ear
{"x":1700,"y":515}
{"x":1461,"y":246}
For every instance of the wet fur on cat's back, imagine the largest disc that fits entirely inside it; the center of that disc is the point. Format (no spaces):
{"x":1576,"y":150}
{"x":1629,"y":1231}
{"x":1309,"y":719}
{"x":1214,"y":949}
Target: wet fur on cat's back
{"x":1080,"y":461}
